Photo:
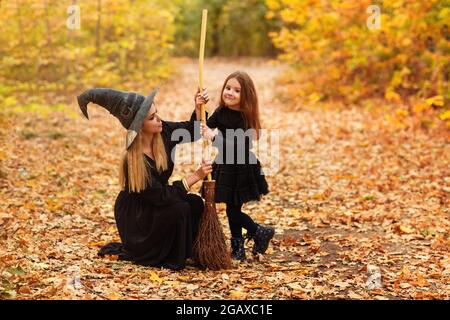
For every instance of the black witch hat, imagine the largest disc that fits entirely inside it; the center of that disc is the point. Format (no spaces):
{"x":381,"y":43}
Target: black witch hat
{"x":129,"y":107}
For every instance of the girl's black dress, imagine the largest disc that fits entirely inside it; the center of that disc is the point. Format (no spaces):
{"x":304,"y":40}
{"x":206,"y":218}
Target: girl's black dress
{"x":237,"y":171}
{"x":158,"y":225}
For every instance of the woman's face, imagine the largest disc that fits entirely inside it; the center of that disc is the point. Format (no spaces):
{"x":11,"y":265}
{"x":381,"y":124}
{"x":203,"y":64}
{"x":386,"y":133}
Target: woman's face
{"x":231,"y":94}
{"x":152,"y":123}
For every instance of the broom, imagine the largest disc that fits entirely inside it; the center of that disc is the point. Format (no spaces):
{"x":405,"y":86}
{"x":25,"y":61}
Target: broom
{"x":210,"y":249}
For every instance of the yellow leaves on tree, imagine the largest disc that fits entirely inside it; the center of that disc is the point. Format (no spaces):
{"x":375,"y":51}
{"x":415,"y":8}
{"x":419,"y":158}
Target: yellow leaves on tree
{"x":117,"y":42}
{"x":339,"y":52}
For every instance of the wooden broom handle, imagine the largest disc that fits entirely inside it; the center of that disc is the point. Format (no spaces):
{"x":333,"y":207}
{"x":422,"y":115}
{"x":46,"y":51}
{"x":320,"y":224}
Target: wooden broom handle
{"x":201,"y":56}
{"x":201,"y":59}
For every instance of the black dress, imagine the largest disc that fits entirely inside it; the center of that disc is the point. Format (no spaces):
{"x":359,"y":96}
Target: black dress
{"x":237,"y":171}
{"x":158,"y":225}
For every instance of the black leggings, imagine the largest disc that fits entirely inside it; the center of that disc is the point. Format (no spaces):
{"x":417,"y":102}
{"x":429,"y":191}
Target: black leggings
{"x":238,"y":220}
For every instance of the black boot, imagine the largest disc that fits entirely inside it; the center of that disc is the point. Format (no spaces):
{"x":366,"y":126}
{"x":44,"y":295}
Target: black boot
{"x":262,"y":237}
{"x":238,"y":250}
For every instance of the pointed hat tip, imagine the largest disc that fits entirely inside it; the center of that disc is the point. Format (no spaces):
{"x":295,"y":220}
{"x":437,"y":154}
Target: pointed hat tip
{"x":83,"y":106}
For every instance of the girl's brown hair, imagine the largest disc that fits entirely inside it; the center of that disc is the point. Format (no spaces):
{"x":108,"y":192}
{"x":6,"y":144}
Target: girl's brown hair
{"x":249,"y":100}
{"x":134,"y":163}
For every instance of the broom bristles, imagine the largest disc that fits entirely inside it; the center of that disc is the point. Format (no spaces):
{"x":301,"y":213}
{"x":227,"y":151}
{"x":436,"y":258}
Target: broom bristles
{"x":210,"y":249}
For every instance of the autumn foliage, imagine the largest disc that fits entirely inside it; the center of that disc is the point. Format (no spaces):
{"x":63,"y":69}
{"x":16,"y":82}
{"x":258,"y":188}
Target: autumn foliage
{"x":338,"y":51}
{"x":44,"y":49}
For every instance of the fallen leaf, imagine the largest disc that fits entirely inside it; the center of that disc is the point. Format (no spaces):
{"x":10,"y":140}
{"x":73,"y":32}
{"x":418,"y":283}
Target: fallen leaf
{"x":23,"y":216}
{"x":295,"y":286}
{"x":237,"y":294}
{"x":405,"y":285}
{"x":155,"y":278}
{"x":421,"y":282}
{"x":112,"y":257}
{"x":16,"y":271}
{"x":406,"y":229}
{"x":113,"y":296}
{"x":355,"y":296}
{"x":24,"y":290}
{"x":192,"y":287}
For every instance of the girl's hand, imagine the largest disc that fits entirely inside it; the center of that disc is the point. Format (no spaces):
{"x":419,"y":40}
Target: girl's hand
{"x":203,"y":169}
{"x":206,"y":132}
{"x":201,"y":98}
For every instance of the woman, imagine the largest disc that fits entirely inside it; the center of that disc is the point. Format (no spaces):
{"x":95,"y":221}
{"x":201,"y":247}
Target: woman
{"x":157,"y":222}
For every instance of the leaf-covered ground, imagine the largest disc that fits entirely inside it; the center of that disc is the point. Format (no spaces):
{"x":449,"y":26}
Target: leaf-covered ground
{"x":351,"y":194}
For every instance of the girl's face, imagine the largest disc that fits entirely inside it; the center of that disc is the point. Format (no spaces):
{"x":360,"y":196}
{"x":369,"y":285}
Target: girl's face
{"x":152,"y":123}
{"x":231,"y":94}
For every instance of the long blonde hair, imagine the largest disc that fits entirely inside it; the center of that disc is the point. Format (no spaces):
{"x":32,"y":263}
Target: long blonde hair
{"x":134,"y":163}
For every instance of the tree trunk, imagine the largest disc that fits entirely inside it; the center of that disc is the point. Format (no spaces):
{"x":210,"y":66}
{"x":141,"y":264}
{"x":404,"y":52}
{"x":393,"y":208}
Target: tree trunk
{"x":19,"y":22}
{"x":69,"y":41}
{"x":47,"y":24}
{"x":215,"y":45}
{"x":23,"y":73}
{"x":97,"y":33}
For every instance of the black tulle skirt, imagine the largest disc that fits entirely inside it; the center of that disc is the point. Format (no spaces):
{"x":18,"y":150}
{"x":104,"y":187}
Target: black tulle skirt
{"x":239,"y":183}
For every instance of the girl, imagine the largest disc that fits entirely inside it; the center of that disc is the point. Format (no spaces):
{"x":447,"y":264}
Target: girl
{"x":238,"y":174}
{"x":157,"y":222}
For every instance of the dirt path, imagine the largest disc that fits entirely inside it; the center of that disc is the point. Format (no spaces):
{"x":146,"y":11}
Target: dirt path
{"x":348,"y":193}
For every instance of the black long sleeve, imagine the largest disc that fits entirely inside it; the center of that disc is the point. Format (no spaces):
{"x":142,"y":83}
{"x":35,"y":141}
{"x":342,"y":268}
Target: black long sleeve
{"x":184,"y":131}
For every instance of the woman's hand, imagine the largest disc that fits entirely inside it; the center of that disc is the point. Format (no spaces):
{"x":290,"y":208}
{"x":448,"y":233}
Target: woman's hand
{"x":203,"y":169}
{"x":206,"y":132}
